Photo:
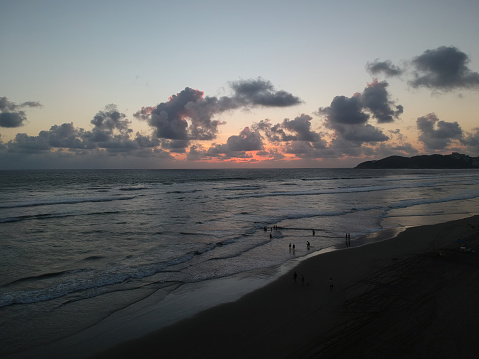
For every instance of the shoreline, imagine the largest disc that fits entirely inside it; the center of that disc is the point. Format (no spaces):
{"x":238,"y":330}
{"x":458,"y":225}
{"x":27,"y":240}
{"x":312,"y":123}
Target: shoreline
{"x":279,"y":319}
{"x":286,"y":319}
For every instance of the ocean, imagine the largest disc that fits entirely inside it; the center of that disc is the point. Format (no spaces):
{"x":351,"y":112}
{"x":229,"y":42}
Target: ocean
{"x":78,"y":246}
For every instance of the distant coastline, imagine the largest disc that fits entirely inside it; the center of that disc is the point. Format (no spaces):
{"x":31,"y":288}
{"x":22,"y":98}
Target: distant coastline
{"x":453,"y":161}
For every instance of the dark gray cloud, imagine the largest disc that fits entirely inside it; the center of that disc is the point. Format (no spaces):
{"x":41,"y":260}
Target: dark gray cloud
{"x":237,"y":146}
{"x":471,"y":140}
{"x":375,"y":98}
{"x":29,"y":144}
{"x":345,"y":110}
{"x":300,"y":139}
{"x":272,"y":154}
{"x":383,"y":67}
{"x":351,"y":110}
{"x":301,"y":127}
{"x":188,"y":115}
{"x":11,"y":114}
{"x":436,"y":134}
{"x":175,"y":146}
{"x":224,"y":153}
{"x":12,"y":119}
{"x":298,"y":129}
{"x":66,"y":136}
{"x":169,"y":118}
{"x":348,"y":116}
{"x":196,"y":153}
{"x":444,"y":68}
{"x":247,"y":140}
{"x":362,"y":133}
{"x":305,"y":149}
{"x":261,"y":93}
{"x":110,"y":132}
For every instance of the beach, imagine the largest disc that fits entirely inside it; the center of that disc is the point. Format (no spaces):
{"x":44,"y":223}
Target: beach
{"x":410,"y":296}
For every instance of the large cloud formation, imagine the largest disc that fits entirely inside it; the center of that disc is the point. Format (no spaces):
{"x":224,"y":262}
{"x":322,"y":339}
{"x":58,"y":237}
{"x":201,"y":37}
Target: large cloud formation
{"x":110,"y":132}
{"x":188,"y":115}
{"x":11,"y":114}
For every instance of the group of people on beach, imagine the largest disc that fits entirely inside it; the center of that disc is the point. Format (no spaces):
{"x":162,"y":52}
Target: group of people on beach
{"x":275,"y":227}
{"x":293,"y":246}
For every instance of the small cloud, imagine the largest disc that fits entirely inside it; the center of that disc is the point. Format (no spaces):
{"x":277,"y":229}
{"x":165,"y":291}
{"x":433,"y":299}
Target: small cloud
{"x":384,"y":67}
{"x":259,"y":92}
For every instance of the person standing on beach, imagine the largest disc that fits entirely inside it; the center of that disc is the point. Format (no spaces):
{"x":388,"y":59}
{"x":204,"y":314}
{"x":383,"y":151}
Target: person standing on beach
{"x":295,"y":276}
{"x":331,"y":284}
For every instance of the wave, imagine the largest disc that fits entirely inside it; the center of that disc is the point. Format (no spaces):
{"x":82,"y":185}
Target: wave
{"x":35,"y":216}
{"x":133,"y":188}
{"x":324,"y":191}
{"x":93,"y":258}
{"x":244,"y":188}
{"x":35,"y":278}
{"x":75,"y":284}
{"x":184,"y":191}
{"x":64,"y":201}
{"x":237,"y":254}
{"x":417,"y":202}
{"x":53,"y":215}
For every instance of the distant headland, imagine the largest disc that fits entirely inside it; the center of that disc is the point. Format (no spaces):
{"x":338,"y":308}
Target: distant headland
{"x":454,"y":161}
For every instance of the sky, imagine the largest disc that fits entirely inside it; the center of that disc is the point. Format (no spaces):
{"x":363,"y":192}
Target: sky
{"x":235,"y":84}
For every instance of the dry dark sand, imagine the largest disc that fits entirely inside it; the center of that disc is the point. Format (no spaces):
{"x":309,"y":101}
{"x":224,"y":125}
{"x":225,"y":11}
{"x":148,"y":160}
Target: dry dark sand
{"x":393,"y":299}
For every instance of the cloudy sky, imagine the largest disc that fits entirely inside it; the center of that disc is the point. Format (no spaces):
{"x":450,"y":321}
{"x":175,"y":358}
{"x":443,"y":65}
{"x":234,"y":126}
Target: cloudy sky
{"x":221,"y":84}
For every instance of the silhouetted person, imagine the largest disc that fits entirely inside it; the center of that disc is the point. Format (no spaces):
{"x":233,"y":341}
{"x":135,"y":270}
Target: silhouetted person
{"x":295,"y":275}
{"x":331,"y":284}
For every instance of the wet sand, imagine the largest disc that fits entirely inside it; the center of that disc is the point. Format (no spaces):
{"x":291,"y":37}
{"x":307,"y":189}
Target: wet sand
{"x":393,"y":299}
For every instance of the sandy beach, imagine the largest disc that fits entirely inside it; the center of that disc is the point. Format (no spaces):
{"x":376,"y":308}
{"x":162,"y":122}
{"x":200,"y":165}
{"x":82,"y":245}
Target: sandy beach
{"x":412,"y":296}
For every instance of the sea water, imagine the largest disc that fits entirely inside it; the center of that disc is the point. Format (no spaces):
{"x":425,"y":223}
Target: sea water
{"x":79,"y":245}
